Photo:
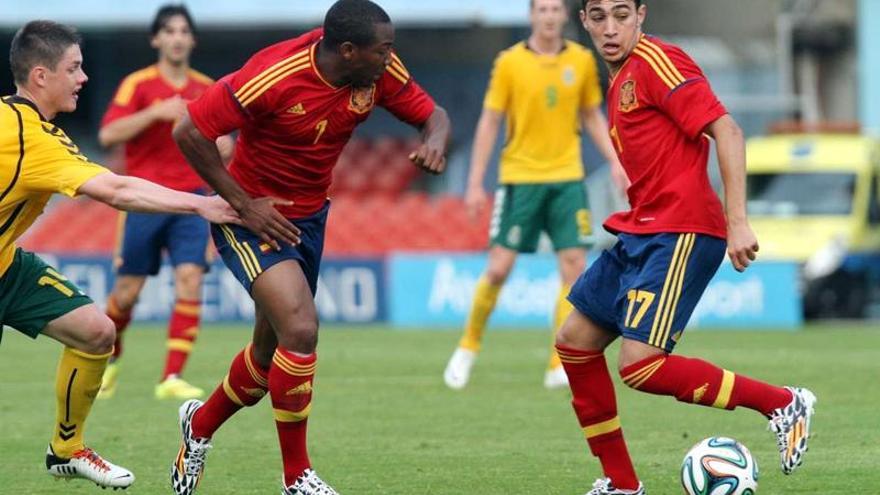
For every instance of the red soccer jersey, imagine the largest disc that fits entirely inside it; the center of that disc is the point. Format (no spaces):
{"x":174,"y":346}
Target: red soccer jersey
{"x":293,"y":123}
{"x":153,"y":154}
{"x":658,"y":105}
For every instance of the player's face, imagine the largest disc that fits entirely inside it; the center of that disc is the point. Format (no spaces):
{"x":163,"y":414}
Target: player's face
{"x":62,"y":85}
{"x":367,"y":63}
{"x":614,"y":26}
{"x":175,"y":41}
{"x":548,"y":17}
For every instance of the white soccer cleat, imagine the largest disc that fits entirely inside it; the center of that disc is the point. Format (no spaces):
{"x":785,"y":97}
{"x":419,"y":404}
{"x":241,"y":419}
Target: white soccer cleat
{"x":555,"y":378}
{"x":309,"y":484}
{"x":188,"y":466}
{"x":458,"y":370}
{"x":603,"y":486}
{"x":792,"y":427}
{"x":88,"y":465}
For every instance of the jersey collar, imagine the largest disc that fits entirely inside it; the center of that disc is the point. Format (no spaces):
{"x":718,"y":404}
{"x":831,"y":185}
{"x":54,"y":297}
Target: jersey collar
{"x":532,"y":50}
{"x":21,"y":100}
{"x":313,"y":59}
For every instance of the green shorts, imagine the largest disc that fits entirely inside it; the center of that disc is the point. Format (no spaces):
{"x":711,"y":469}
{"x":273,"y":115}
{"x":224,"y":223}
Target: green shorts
{"x":33,"y":293}
{"x":523,"y":211}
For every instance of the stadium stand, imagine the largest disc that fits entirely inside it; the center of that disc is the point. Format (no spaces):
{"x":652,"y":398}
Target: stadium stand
{"x":375,"y":211}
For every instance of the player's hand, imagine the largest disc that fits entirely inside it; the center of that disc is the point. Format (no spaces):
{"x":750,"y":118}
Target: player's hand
{"x":170,"y":110}
{"x":429,"y":158}
{"x":742,"y":245}
{"x":216,"y":210}
{"x":262,"y":218}
{"x":475,"y":201}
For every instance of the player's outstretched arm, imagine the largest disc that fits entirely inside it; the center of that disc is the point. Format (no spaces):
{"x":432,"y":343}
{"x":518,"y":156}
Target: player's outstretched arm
{"x":742,"y":245}
{"x":258,"y":215}
{"x":431,"y":155}
{"x":136,"y":194}
{"x":475,"y":199}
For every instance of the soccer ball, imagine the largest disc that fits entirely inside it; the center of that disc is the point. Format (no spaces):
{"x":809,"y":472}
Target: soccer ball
{"x":719,"y":466}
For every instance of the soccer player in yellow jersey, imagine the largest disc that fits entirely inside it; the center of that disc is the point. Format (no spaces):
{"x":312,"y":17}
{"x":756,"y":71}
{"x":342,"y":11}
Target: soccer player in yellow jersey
{"x":37,"y":159}
{"x":548,"y":89}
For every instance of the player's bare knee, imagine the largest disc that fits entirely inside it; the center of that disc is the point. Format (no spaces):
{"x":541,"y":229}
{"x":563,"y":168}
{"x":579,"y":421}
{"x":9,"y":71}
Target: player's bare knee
{"x":632,"y":352}
{"x":571,"y":265}
{"x":300,"y":336}
{"x":570,"y":271}
{"x":566,"y":336}
{"x":97,"y":334}
{"x":125,"y":297}
{"x":188,"y":283}
{"x":497,"y":275}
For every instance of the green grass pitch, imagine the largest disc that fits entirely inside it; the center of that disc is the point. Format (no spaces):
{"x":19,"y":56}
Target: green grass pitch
{"x":384,"y":423}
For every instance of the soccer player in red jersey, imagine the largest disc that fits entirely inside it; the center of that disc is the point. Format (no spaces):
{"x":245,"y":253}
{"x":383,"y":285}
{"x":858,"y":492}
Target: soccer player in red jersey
{"x":141,"y":117}
{"x":662,"y":113}
{"x":295,"y":105}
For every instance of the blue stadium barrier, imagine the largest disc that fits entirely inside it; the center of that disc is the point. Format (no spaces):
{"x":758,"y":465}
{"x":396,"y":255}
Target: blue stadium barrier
{"x":349,"y":290}
{"x":434,"y":291}
{"x":766,"y":295}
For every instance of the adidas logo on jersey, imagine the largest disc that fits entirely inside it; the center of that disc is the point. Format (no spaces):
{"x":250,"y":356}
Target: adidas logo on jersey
{"x":297,"y":109}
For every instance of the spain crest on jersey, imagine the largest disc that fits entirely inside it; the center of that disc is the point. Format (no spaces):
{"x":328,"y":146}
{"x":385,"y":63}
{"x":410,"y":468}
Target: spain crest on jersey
{"x":362,"y":99}
{"x":628,"y":99}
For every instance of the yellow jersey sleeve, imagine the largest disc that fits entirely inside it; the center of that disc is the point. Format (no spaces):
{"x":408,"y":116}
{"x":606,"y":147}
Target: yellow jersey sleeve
{"x":498,"y":95}
{"x":53,"y":162}
{"x":592,"y":91}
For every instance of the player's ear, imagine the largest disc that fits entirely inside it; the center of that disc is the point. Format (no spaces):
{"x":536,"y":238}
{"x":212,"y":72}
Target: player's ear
{"x":347,"y":50}
{"x":39,"y":76}
{"x":641,"y":13}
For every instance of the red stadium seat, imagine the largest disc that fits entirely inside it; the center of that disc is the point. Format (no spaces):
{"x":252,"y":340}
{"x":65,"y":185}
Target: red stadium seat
{"x":373,"y":211}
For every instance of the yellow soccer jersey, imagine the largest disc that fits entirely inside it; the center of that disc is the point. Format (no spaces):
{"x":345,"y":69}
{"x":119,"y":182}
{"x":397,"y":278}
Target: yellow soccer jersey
{"x":37,"y":159}
{"x":542,"y":96}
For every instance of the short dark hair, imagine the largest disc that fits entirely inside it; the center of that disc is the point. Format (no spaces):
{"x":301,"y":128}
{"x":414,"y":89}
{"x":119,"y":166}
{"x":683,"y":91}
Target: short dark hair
{"x":584,"y":3}
{"x":168,"y":11}
{"x":354,"y":21}
{"x":39,"y":43}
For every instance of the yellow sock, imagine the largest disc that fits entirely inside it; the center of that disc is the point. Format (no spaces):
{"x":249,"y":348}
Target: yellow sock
{"x":560,"y":313}
{"x":76,"y":384}
{"x":485,"y":297}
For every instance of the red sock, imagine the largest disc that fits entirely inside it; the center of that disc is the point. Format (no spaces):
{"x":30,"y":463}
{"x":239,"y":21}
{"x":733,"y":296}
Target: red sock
{"x":290,"y":385}
{"x":120,"y":319}
{"x":183,"y":328}
{"x":244,"y":385}
{"x":699,"y":382}
{"x":596,"y":408}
